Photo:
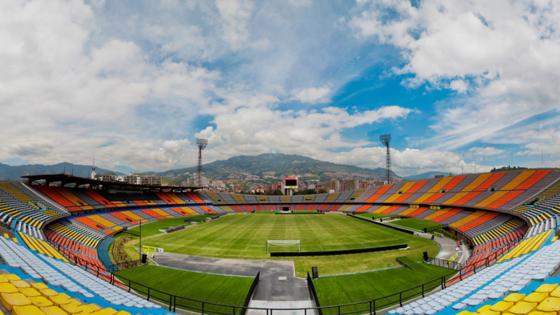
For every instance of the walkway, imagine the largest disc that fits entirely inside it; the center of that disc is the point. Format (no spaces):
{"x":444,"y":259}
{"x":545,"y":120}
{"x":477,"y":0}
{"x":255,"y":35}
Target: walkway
{"x":278,"y":286}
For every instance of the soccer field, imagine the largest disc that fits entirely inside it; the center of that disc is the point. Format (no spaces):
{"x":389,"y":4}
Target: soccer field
{"x":245,"y":236}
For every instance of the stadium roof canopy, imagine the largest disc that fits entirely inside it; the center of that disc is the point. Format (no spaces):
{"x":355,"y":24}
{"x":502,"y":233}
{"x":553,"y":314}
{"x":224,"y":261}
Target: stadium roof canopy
{"x":76,"y":181}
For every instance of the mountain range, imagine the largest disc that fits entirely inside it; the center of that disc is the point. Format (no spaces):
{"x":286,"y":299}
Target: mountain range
{"x":269,"y":165}
{"x":274,"y":165}
{"x":426,"y":175}
{"x":8,"y":172}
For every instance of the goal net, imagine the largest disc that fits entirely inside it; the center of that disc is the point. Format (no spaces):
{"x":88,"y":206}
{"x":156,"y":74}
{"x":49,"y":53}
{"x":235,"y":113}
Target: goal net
{"x":283,"y":246}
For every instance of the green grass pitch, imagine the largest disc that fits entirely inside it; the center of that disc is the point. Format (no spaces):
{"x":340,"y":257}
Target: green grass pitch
{"x":376,"y":215}
{"x":218,"y":289}
{"x":152,"y":228}
{"x":245,"y":236}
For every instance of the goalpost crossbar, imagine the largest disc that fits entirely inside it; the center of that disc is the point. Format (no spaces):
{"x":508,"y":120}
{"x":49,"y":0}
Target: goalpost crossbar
{"x":282,"y":243}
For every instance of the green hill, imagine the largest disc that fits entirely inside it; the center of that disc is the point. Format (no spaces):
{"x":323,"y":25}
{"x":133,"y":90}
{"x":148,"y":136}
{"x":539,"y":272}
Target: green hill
{"x":275,"y":165}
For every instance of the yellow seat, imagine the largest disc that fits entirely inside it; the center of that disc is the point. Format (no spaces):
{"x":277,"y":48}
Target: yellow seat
{"x":73,"y":307}
{"x":105,"y":311}
{"x":39,"y":285}
{"x":542,"y":313}
{"x":555,"y":293}
{"x":127,"y":313}
{"x":535,"y":297}
{"x":7,"y":288}
{"x":53,"y":310}
{"x":485,"y":310}
{"x":48,"y":292}
{"x":30,"y":292}
{"x":9,"y":277}
{"x":60,"y":299}
{"x":514,"y":297}
{"x":9,"y":300}
{"x":501,"y":306}
{"x":27,"y":310}
{"x":91,"y":307}
{"x":522,"y":308}
{"x":466,"y":313}
{"x":546,"y":288}
{"x":40,"y":301}
{"x":550,"y":304}
{"x":20,"y":284}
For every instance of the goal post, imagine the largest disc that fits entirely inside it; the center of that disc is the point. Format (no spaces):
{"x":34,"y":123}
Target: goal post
{"x":270,"y":244}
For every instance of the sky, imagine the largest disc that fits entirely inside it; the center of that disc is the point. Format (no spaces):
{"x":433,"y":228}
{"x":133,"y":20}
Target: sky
{"x":462,"y":86}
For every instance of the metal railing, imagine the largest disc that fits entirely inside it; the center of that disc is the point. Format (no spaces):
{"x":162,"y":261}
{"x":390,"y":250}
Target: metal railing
{"x":313,"y":292}
{"x":251,"y":291}
{"x":174,"y":302}
{"x":445,"y":263}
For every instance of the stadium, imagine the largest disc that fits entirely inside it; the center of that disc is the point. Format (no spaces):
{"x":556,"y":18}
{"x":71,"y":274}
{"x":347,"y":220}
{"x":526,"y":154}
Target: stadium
{"x":463,"y":244}
{"x":279,"y":157}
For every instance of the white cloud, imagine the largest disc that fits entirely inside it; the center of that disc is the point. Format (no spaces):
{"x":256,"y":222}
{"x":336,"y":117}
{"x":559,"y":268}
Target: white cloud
{"x":407,"y":161}
{"x":504,"y":51}
{"x":484,"y":151}
{"x":313,"y":95}
{"x":317,"y":133}
{"x":235,"y":15}
{"x":262,"y":128}
{"x":459,"y":85}
{"x":82,"y":79}
{"x":64,"y":98}
{"x":300,"y":3}
{"x":109,"y":98}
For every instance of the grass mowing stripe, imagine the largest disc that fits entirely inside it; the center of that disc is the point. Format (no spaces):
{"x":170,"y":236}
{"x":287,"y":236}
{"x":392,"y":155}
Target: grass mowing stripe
{"x":245,"y":236}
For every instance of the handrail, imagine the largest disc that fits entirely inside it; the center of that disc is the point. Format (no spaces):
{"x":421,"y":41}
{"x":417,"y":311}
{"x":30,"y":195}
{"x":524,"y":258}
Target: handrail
{"x":174,"y":301}
{"x":370,"y":306}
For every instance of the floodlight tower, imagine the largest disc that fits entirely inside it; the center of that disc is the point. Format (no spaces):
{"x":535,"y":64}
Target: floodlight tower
{"x":386,"y":141}
{"x":201,"y":143}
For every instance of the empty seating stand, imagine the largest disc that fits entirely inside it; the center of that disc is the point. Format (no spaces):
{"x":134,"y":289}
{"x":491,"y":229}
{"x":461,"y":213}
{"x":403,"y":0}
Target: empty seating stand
{"x":498,"y":190}
{"x":28,"y":297}
{"x":490,"y":286}
{"x":62,"y":276}
{"x":23,"y":211}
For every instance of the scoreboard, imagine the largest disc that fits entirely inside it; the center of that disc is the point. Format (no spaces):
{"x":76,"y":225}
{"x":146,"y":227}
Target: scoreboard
{"x":290,"y":182}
